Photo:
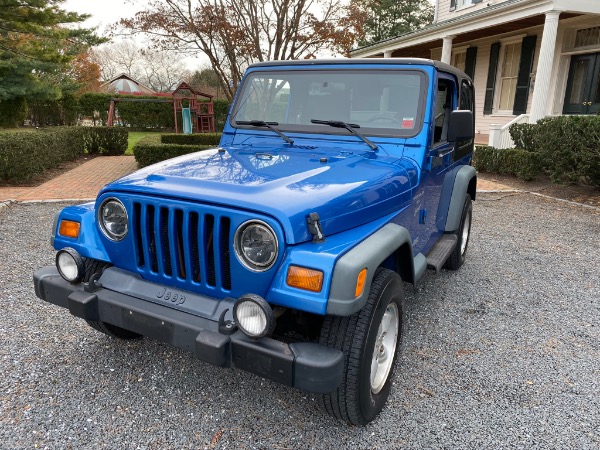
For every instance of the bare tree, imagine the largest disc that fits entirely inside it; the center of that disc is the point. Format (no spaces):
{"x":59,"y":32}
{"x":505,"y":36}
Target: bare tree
{"x":234,"y":33}
{"x":157,"y":69}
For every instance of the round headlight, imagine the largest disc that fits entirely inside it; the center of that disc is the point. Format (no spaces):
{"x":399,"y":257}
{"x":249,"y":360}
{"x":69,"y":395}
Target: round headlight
{"x":112,"y":216}
{"x":253,"y":315}
{"x":256,"y":245}
{"x":70,"y":265}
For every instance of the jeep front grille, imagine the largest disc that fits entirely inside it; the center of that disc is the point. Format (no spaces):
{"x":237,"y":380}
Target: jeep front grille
{"x":184,"y":244}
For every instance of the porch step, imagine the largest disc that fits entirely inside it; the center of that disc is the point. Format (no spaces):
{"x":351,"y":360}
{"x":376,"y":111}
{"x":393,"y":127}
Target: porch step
{"x":482,"y":139}
{"x":440,"y":252}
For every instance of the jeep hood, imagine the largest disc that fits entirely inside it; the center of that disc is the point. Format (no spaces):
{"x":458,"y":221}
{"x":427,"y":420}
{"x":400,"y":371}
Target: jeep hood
{"x":345,"y":188}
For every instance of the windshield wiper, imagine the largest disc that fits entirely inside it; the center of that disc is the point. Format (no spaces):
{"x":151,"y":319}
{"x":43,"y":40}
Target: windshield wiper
{"x":348,"y":126}
{"x":269,"y":125}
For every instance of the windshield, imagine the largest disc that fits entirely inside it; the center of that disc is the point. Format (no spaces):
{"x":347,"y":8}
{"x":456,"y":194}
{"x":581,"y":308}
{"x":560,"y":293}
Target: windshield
{"x":380,"y":102}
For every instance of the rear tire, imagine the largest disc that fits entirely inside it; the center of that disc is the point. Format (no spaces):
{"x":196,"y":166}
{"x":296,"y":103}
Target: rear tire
{"x":377,"y":327}
{"x":458,"y":256}
{"x":93,"y":266}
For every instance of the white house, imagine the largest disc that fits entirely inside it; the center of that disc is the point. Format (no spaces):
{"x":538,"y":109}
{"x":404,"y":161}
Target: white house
{"x":528,"y":58}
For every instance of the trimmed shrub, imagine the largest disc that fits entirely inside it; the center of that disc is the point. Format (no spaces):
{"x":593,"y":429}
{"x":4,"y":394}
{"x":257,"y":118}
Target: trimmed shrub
{"x":150,"y":150}
{"x":106,"y":140}
{"x":191,"y":139}
{"x":570,"y":147}
{"x":524,"y":136}
{"x":25,"y":154}
{"x":508,"y":161}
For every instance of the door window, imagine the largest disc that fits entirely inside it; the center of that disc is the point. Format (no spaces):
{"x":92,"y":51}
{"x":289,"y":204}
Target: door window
{"x":582,"y":95}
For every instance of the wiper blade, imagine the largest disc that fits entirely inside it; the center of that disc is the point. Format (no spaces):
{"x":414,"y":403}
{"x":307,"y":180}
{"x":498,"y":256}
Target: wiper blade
{"x":269,"y":125}
{"x":348,"y":126}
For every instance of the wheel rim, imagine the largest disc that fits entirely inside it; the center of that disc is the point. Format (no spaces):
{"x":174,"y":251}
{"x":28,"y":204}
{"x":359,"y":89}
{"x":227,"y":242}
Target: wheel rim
{"x":465,"y":234}
{"x":385,"y":348}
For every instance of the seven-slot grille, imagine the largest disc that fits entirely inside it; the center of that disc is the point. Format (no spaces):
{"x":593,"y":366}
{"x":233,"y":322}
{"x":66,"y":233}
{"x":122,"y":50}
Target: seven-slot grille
{"x":180,"y":243}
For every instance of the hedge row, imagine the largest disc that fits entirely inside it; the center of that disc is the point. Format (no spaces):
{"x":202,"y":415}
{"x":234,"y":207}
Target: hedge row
{"x":191,"y":139}
{"x":25,"y":154}
{"x":67,"y":110}
{"x":150,"y":150}
{"x":508,"y":161}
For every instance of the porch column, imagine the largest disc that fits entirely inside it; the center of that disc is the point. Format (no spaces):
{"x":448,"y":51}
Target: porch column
{"x":387,"y":54}
{"x":447,"y":49}
{"x":541,"y":90}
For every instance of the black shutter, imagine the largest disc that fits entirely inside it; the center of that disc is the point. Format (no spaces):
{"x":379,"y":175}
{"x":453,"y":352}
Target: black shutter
{"x":488,"y":104}
{"x":470,"y":62}
{"x":452,"y":5}
{"x":525,"y":68}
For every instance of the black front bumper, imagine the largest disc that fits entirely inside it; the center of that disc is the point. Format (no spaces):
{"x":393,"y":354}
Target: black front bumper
{"x":307,"y":366}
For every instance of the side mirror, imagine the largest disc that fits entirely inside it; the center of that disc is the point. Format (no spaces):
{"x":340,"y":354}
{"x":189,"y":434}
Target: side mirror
{"x":460,"y":126}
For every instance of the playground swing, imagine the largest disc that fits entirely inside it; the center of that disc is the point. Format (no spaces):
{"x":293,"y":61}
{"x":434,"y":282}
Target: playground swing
{"x":198,"y":115}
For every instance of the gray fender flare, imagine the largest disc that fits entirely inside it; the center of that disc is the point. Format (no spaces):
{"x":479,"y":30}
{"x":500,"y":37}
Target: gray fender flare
{"x":369,"y":254}
{"x":459,"y":194}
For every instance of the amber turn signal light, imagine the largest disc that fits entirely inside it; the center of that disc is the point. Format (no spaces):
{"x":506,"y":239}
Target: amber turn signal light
{"x":303,"y":278}
{"x":68,"y":228}
{"x":360,"y":283}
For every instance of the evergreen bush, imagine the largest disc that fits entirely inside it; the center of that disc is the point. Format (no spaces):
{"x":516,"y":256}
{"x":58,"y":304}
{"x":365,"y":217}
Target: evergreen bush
{"x":191,"y":139}
{"x":570,"y":148}
{"x":150,"y":150}
{"x":106,"y":140}
{"x":508,"y":161}
{"x":524,"y":136}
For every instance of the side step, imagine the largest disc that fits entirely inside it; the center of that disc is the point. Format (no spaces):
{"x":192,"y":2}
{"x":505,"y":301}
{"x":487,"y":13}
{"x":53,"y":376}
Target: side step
{"x":440,"y":252}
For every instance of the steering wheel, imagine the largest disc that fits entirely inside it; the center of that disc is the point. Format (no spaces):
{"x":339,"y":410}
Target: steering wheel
{"x":382,"y":117}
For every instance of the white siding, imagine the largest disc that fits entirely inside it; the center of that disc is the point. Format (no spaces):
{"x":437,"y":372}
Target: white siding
{"x":444,"y":12}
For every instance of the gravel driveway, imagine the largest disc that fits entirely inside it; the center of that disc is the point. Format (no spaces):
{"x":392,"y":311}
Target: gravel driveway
{"x":504,"y":353}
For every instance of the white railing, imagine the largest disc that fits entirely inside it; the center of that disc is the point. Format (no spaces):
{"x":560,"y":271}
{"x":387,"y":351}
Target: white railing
{"x":500,"y":136}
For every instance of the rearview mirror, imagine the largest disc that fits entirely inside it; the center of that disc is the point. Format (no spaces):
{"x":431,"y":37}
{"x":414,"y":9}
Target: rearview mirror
{"x":460,"y":126}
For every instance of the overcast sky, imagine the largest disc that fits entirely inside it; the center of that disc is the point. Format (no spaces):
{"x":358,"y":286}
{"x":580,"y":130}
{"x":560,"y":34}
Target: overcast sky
{"x":103,"y":12}
{"x":107,"y":12}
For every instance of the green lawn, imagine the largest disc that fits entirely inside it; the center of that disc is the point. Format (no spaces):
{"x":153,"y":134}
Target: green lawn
{"x":134,"y":137}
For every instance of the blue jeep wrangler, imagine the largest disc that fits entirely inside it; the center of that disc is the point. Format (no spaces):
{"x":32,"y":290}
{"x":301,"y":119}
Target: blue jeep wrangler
{"x":283,"y":252}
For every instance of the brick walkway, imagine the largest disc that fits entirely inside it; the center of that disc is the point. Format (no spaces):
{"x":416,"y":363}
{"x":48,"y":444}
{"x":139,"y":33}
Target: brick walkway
{"x":83,"y":182}
{"x":86,"y":180}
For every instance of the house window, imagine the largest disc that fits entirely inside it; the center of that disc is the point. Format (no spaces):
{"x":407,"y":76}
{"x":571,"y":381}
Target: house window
{"x":461,"y":3}
{"x":588,"y":37}
{"x":509,"y":69}
{"x":459,"y":60}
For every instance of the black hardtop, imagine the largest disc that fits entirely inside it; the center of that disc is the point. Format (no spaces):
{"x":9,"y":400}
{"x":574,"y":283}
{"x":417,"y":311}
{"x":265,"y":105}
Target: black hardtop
{"x":380,"y":61}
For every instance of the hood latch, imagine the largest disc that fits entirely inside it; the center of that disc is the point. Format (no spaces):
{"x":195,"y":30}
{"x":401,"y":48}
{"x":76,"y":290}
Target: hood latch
{"x":314,"y":227}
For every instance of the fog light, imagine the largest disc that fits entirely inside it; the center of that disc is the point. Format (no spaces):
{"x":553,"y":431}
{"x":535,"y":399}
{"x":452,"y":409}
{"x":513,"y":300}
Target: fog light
{"x":254,"y":316}
{"x":70,"y":265}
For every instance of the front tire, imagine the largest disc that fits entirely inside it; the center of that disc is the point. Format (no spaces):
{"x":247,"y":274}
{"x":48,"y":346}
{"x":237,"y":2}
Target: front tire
{"x":370,"y":340}
{"x":93,"y":266}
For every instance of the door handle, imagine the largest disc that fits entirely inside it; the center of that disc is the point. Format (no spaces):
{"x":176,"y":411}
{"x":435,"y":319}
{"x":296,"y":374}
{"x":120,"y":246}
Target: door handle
{"x":443,"y":153}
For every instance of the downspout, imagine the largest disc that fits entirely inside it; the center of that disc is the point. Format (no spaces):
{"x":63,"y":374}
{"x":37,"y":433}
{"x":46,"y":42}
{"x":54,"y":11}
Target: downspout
{"x":435,"y":11}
